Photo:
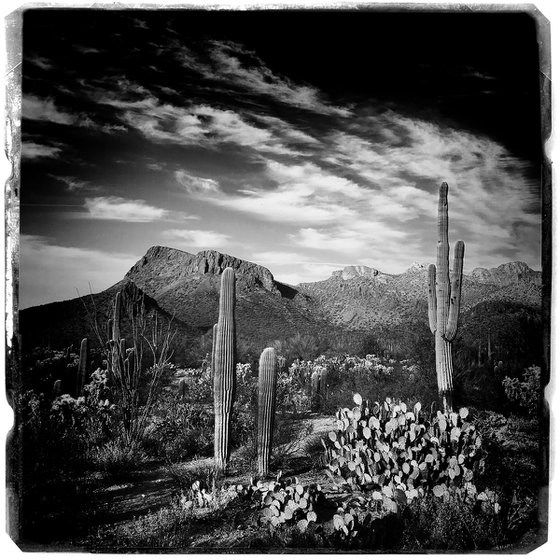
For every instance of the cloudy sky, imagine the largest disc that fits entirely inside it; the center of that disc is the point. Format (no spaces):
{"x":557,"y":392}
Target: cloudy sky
{"x":301,"y":141}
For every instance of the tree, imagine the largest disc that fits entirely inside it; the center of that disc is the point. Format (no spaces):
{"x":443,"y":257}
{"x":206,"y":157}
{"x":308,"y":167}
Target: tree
{"x":138,"y":353}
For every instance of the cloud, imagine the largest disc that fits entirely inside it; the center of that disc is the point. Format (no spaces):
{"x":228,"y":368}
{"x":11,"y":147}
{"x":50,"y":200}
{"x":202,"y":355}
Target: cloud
{"x":295,"y":268}
{"x":50,"y":272}
{"x":33,"y":150}
{"x":122,"y":209}
{"x":198,"y":187}
{"x":206,"y":126}
{"x":41,"y":62}
{"x":304,"y":194}
{"x":489,"y":190}
{"x":254,"y":77}
{"x":279,"y":258}
{"x":306,"y":272}
{"x":74,"y":185}
{"x":37,"y":109}
{"x":197,"y":238}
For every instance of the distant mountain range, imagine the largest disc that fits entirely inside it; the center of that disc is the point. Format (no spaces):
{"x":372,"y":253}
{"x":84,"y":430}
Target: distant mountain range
{"x":184,"y":288}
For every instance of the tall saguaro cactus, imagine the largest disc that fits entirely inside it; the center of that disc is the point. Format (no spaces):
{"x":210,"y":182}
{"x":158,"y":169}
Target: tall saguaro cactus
{"x":82,"y":367}
{"x":444,"y":298}
{"x":224,"y":369}
{"x":212,"y":357}
{"x":266,"y":408}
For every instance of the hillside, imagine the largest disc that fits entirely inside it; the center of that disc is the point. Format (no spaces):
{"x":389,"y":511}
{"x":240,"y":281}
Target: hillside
{"x":63,"y":323}
{"x":184,"y":288}
{"x":364,"y":298}
{"x":187,"y":286}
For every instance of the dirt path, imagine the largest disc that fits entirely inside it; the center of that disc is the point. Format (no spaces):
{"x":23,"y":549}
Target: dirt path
{"x":108,"y":501}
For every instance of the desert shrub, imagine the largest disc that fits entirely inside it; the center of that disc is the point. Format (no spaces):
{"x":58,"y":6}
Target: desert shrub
{"x":116,"y":456}
{"x":452,"y":524}
{"x":525,"y":393}
{"x":293,"y":388}
{"x":65,"y":429}
{"x":179,"y":429}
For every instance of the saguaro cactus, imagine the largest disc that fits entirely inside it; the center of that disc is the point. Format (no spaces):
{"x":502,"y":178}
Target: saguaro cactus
{"x":115,"y":335}
{"x":444,"y":297}
{"x":82,"y":367}
{"x":224,"y":369}
{"x":315,"y":384}
{"x":212,"y":358}
{"x":266,"y":408}
{"x":318,"y":388}
{"x":182,"y":389}
{"x":57,"y":388}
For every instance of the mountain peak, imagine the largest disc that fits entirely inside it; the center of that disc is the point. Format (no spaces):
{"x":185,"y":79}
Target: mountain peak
{"x":416,"y":267}
{"x":356,"y":271}
{"x":172,"y":265}
{"x":506,"y":273}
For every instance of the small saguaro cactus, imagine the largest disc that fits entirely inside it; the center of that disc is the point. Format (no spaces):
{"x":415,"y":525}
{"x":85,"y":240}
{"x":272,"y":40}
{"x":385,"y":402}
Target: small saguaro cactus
{"x":318,"y":388}
{"x":315,"y":383}
{"x":115,"y":342}
{"x":82,"y":367}
{"x":57,"y":388}
{"x":182,"y":389}
{"x":323,"y":386}
{"x":224,"y":369}
{"x":444,"y":298}
{"x":266,"y":408}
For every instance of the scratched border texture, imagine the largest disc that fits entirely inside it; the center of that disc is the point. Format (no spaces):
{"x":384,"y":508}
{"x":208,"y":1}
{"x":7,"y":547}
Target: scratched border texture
{"x":12,"y":146}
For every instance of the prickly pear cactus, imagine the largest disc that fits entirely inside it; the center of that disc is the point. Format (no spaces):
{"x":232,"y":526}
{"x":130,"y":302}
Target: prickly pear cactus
{"x":224,"y":369}
{"x":266,"y":408}
{"x":399,"y":454}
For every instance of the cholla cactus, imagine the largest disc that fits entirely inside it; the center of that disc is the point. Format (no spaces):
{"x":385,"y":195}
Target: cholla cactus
{"x":444,"y":297}
{"x":224,"y":369}
{"x":266,"y":408}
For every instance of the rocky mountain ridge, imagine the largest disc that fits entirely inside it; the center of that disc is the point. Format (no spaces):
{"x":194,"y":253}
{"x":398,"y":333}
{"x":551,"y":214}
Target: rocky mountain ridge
{"x":185,"y":287}
{"x":503,"y":275}
{"x":164,"y":265}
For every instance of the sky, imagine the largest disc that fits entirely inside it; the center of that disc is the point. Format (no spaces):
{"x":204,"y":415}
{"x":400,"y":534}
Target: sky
{"x":302,"y":141}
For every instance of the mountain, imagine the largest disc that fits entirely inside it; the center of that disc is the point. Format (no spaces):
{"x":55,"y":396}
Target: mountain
{"x":365,"y":298}
{"x":64,"y":323}
{"x":188,"y":286}
{"x":507,"y":274}
{"x":184,"y":288}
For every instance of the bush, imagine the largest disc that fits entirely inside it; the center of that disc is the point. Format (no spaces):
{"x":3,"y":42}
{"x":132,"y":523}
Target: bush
{"x":116,"y":456}
{"x":179,"y":430}
{"x":526,"y":393}
{"x":453,"y":524}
